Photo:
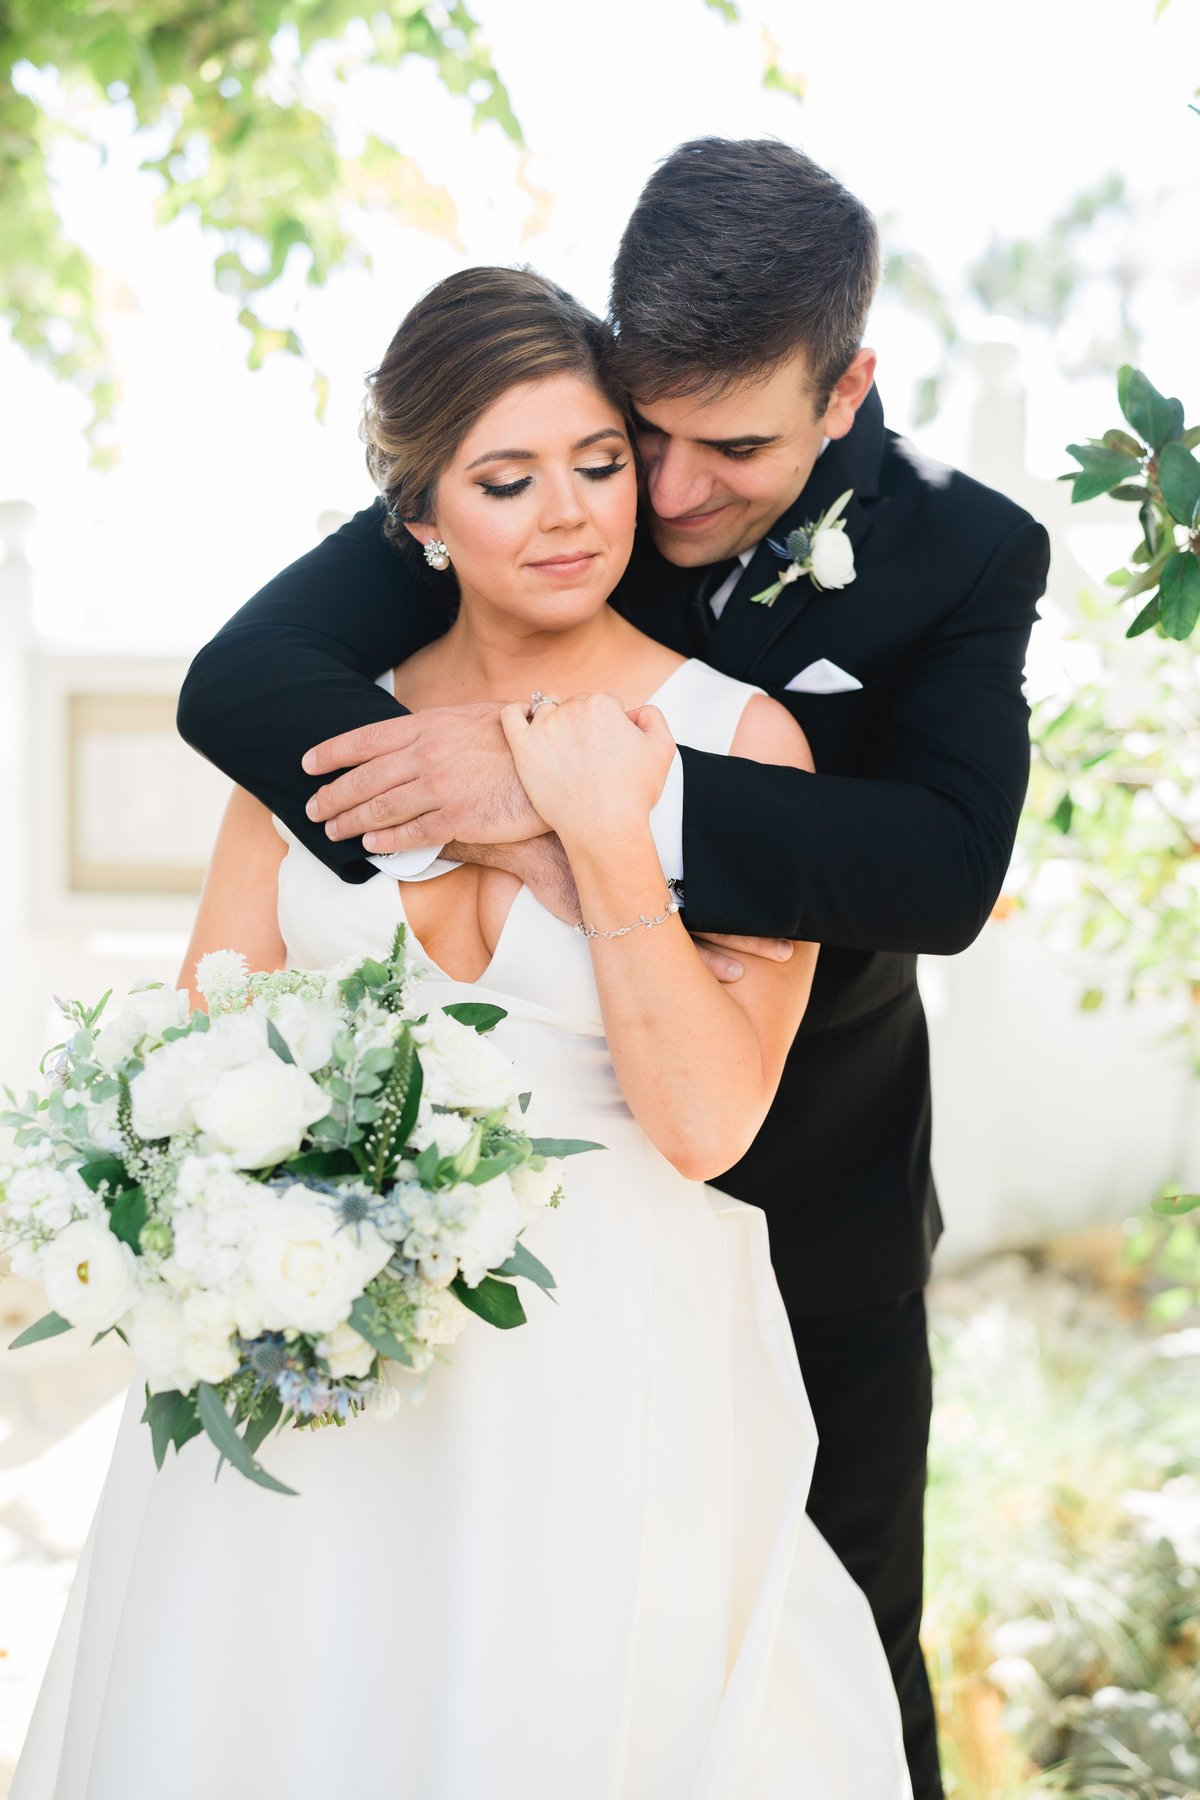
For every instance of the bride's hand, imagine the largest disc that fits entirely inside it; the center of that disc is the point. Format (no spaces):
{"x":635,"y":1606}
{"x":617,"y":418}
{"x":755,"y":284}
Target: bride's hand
{"x":591,"y":769}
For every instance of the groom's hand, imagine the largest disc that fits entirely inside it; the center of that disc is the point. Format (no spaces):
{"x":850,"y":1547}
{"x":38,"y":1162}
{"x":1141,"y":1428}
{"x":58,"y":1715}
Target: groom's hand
{"x":722,"y":953}
{"x":423,"y":780}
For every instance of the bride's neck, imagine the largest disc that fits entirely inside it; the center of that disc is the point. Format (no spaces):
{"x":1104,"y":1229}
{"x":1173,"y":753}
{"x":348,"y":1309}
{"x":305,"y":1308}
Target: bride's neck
{"x":492,"y":658}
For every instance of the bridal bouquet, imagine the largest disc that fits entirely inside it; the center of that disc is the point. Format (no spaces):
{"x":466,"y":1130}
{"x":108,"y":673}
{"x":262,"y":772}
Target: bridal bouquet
{"x":271,"y":1201}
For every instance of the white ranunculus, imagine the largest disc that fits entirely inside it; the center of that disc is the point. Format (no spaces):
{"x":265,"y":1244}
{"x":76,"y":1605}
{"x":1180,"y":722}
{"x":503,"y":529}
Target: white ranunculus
{"x":308,"y":1028}
{"x":257,"y":1114}
{"x":346,"y":1352}
{"x":146,"y":1014}
{"x":307,"y":1269}
{"x":25,"y":1261}
{"x":158,"y":1338}
{"x":461,"y":1067}
{"x":247,"y":1310}
{"x":832,"y":557}
{"x":535,"y":1188}
{"x":90,"y":1276}
{"x":488,"y":1239}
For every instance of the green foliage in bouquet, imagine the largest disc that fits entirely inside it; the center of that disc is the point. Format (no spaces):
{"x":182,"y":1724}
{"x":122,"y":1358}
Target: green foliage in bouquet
{"x":181,"y":1169}
{"x":1153,"y":469}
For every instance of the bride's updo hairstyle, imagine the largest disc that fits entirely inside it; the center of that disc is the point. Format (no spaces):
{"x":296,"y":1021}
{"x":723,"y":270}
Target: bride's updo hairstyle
{"x":465,"y":344}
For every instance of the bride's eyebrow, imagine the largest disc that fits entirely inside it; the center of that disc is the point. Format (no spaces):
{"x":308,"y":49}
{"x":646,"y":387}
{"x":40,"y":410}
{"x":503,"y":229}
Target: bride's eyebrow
{"x":595,"y":437}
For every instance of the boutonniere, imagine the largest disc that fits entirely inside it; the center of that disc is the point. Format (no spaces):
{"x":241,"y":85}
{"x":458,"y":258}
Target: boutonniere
{"x":822,"y":551}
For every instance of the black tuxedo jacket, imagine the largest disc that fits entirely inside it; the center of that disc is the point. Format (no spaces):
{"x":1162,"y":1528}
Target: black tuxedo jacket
{"x":898,"y":844}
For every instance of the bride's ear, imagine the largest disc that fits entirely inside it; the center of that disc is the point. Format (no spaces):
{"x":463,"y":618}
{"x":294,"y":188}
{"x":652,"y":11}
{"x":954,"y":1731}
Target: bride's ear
{"x":424,"y":534}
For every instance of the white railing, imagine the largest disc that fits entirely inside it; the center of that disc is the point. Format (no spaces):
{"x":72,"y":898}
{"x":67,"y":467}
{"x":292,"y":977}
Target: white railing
{"x":1045,"y":1118}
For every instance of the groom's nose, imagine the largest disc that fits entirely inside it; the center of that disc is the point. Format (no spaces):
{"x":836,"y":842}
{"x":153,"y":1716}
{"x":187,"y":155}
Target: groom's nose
{"x":677,"y":481}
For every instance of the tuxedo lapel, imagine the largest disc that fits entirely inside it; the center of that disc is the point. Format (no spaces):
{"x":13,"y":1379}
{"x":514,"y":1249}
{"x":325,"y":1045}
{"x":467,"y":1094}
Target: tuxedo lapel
{"x":745,"y":631}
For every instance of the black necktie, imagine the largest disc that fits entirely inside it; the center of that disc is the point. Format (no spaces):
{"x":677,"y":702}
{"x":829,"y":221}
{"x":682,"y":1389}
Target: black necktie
{"x":704,"y":583}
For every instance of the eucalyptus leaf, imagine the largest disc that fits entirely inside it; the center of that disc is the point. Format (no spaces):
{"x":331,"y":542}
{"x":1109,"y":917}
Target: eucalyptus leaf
{"x":270,"y":1411}
{"x":496,"y":1301}
{"x":524,"y":1262}
{"x":128,"y":1214}
{"x":221,"y":1430}
{"x":160,"y":1416}
{"x":367,"y":1321}
{"x":50,"y":1325}
{"x":548,"y":1146}
{"x":278,"y":1043}
{"x":474,"y":1012}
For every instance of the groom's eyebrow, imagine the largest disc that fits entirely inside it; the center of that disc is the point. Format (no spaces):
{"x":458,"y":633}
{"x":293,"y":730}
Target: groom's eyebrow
{"x":747,"y":441}
{"x":595,"y":437}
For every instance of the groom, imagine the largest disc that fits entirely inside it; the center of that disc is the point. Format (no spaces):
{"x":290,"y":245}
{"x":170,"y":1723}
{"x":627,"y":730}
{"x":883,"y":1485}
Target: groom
{"x":740,"y":295}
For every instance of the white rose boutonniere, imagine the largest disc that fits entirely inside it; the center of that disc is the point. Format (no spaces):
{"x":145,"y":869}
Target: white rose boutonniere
{"x":821,"y":551}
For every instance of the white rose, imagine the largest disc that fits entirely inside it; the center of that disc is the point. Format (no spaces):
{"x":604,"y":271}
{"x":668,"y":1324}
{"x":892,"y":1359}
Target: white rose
{"x":208,"y":1354}
{"x":89,"y":1275}
{"x":832,"y":559}
{"x":461,"y":1068}
{"x":307,"y":1269}
{"x":258,"y":1113}
{"x":247,"y":1311}
{"x":308,"y":1028}
{"x":158,"y":1338}
{"x":489,"y":1237}
{"x":166,"y":1089}
{"x":535,"y":1188}
{"x":144,"y":1015}
{"x":346,"y":1352}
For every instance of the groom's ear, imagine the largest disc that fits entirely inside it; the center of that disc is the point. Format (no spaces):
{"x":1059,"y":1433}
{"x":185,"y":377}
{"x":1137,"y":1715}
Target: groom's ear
{"x":849,"y":394}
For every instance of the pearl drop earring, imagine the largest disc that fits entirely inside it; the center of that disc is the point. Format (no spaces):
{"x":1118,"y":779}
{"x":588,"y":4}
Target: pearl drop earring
{"x":436,"y":554}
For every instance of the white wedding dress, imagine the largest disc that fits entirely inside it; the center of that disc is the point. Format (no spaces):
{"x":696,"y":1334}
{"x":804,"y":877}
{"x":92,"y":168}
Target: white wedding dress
{"x":580,"y":1570}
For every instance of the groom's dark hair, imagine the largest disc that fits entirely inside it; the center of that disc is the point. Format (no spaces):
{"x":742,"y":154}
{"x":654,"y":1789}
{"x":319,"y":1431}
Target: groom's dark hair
{"x":738,"y":254}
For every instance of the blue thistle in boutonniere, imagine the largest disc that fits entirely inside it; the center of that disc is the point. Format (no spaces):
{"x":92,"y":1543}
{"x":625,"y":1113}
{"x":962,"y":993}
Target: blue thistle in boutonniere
{"x":822,"y":551}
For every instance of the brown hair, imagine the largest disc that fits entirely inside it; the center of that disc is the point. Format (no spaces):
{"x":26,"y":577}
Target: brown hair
{"x":463,"y":345}
{"x":738,"y":254}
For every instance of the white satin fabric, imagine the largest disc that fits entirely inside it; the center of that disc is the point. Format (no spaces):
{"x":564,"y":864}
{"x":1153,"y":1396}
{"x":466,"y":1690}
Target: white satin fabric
{"x":581,"y":1568}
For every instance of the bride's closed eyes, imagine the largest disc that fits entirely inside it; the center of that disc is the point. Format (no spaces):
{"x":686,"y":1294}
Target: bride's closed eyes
{"x":593,"y":471}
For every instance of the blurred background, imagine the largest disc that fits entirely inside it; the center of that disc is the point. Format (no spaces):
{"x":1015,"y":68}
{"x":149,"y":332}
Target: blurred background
{"x":211,"y":224}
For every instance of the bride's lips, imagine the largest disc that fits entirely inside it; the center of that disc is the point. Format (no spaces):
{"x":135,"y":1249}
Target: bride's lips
{"x":565,"y":566}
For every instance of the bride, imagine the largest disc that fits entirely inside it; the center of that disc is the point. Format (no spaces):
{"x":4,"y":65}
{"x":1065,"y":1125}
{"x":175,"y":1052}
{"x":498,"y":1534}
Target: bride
{"x":582,"y":1569}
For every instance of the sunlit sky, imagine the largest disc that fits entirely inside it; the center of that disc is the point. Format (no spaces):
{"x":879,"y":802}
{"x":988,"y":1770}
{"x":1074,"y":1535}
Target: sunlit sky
{"x":952,"y":121}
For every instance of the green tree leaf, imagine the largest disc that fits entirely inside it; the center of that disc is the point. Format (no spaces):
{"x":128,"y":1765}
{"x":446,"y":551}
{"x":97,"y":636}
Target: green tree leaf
{"x":496,"y":1301}
{"x":1155,"y":418}
{"x":1102,"y":470}
{"x":160,"y":1416}
{"x":1148,"y":616}
{"x":1179,"y":594}
{"x":1179,"y":480}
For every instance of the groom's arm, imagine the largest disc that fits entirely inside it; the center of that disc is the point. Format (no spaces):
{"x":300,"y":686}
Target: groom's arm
{"x":910,"y":856}
{"x":297,"y":663}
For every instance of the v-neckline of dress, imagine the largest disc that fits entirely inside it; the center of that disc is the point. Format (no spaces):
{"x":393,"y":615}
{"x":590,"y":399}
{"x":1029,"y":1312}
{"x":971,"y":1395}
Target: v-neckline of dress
{"x":489,"y":968}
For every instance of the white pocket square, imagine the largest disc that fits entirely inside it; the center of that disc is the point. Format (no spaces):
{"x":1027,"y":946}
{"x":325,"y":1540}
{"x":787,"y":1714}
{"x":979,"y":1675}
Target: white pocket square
{"x":822,"y":677}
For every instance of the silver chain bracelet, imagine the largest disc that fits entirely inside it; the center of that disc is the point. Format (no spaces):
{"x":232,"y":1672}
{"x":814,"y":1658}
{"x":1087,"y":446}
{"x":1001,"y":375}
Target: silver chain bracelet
{"x":594,"y":931}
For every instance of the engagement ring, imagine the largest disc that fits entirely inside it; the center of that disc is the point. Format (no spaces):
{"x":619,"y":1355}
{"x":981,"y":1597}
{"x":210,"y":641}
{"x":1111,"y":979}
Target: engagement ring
{"x":537,"y":698}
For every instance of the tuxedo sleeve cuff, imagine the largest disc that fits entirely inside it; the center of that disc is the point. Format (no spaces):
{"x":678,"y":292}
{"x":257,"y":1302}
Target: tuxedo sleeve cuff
{"x":414,"y":865}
